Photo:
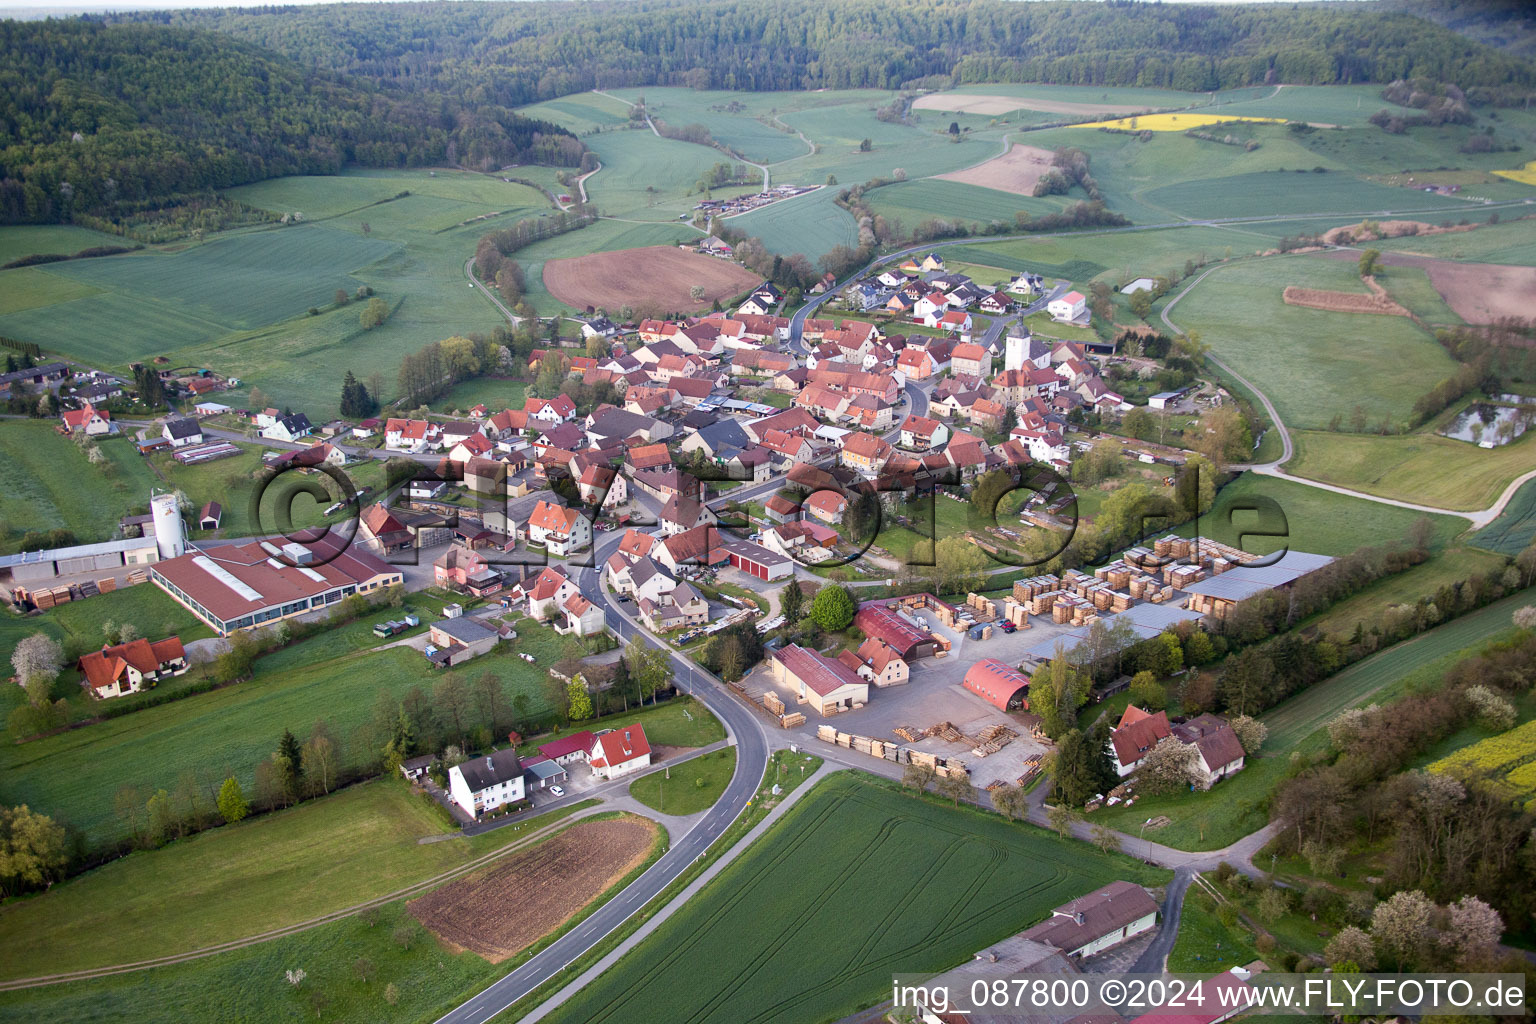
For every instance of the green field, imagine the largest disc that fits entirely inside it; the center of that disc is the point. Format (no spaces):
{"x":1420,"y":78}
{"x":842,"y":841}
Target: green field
{"x":680,"y":722}
{"x":1313,"y":364}
{"x":1204,"y":943}
{"x":645,"y":177}
{"x":913,"y":202}
{"x":677,"y":789}
{"x":267,"y":872}
{"x":31,"y":287}
{"x":47,"y":482}
{"x":52,"y":239}
{"x":918,"y":886}
{"x":1411,"y":288}
{"x":494,"y":394}
{"x":747,"y":131}
{"x":1318,"y":521}
{"x":582,"y":113}
{"x":1515,"y":529}
{"x":810,"y":224}
{"x":358,"y":970}
{"x":238,"y":302}
{"x":1424,"y":468}
{"x":1456,"y":562}
{"x":227,"y":732}
{"x":1507,"y":242}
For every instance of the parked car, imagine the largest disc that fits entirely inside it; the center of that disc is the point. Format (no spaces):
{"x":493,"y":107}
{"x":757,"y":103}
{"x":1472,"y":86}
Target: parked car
{"x":1009,"y":627}
{"x":556,"y":791}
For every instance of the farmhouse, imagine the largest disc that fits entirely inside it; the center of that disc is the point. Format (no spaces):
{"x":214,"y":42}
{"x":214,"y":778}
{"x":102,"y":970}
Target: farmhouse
{"x":827,"y":685}
{"x":619,"y":752}
{"x":486,"y":783}
{"x":1133,"y":739}
{"x":455,"y":641}
{"x":999,"y":684}
{"x":128,"y":667}
{"x":1221,"y":753}
{"x":182,"y":431}
{"x":238,"y":586}
{"x":1098,"y":921}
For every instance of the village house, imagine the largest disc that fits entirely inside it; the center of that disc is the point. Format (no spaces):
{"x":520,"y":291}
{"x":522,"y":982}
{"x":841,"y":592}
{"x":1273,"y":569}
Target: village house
{"x":560,"y":530}
{"x":619,"y":752}
{"x":132,"y":666}
{"x":288,"y":428}
{"x":182,"y":431}
{"x":681,"y":606}
{"x":1069,"y":308}
{"x":1098,"y":921}
{"x":461,"y":568}
{"x":487,"y":783}
{"x":828,"y":506}
{"x":864,"y":452}
{"x":970,"y":360}
{"x":579,"y":617}
{"x":881,"y":664}
{"x":94,"y":422}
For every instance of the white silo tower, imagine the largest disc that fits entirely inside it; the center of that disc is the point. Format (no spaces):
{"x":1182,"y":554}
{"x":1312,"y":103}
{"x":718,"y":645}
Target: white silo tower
{"x":170,"y":538}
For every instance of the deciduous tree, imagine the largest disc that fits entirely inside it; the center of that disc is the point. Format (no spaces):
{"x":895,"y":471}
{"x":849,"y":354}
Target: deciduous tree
{"x":232,"y":805}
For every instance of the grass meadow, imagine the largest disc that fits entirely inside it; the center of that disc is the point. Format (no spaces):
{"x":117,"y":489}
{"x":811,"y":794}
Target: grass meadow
{"x":677,"y":790}
{"x":913,"y":202}
{"x":1312,"y":363}
{"x":1315,"y":520}
{"x":266,"y":872}
{"x":335,"y":677}
{"x":1425,"y":468}
{"x":47,"y":482}
{"x":924,"y":886}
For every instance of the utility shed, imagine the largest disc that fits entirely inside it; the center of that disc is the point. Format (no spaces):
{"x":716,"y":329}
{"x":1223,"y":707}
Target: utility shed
{"x":1093,"y":923}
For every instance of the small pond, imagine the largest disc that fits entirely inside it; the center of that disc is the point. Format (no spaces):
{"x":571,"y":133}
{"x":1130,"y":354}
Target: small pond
{"x":1492,"y":423}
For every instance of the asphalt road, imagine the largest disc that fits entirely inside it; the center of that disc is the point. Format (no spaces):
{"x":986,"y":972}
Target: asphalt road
{"x":742,"y":728}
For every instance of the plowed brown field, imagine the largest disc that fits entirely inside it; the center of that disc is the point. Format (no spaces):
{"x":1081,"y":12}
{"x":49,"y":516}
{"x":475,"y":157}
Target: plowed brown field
{"x":1015,"y":171}
{"x":503,"y":910}
{"x":656,"y":277}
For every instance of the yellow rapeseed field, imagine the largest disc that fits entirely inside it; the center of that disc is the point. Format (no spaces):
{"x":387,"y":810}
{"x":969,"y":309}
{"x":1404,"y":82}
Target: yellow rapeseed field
{"x":1525,"y":175}
{"x":1176,"y":122}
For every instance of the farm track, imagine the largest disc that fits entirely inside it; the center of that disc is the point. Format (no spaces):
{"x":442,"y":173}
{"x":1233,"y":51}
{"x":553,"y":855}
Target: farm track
{"x":1478,"y":519}
{"x":302,"y":926}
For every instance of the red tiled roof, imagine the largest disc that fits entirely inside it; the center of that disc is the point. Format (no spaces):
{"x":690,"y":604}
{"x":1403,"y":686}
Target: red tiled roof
{"x":625,"y":744}
{"x":824,"y":675}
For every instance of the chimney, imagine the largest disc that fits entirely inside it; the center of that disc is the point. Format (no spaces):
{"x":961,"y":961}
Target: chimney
{"x":1078,"y":917}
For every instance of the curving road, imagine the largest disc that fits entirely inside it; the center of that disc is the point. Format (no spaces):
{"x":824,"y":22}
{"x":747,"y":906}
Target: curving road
{"x":743,"y":730}
{"x":1478,"y":519}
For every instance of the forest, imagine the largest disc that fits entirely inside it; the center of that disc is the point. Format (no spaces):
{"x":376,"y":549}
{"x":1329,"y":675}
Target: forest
{"x":113,"y":116}
{"x":104,"y":122}
{"x":517,"y":53}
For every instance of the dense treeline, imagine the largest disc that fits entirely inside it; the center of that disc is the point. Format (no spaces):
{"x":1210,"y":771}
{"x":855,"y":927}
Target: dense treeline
{"x":516,"y":53}
{"x":106,"y":122}
{"x":1444,"y":836}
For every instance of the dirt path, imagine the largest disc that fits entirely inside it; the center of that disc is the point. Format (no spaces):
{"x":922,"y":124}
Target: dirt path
{"x":1478,"y":519}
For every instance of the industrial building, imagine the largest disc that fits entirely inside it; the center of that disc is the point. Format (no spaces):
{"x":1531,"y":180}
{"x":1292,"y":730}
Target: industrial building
{"x":999,"y":684}
{"x":238,"y":586}
{"x":164,"y":537}
{"x":882,"y":623}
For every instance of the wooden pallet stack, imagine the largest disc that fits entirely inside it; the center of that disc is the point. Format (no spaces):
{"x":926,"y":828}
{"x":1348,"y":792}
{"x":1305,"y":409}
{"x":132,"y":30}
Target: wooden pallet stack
{"x":791,"y":720}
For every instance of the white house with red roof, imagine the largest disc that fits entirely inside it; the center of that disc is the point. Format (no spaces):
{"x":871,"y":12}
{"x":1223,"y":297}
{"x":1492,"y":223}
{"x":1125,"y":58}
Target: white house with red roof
{"x":559,"y":529}
{"x":128,"y":667}
{"x":1068,"y":308}
{"x":619,"y":752}
{"x":579,"y":616}
{"x":95,"y":422}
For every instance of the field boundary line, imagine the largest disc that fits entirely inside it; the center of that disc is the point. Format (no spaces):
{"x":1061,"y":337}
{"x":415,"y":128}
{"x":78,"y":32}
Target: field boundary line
{"x":720,"y":863}
{"x":301,"y":926}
